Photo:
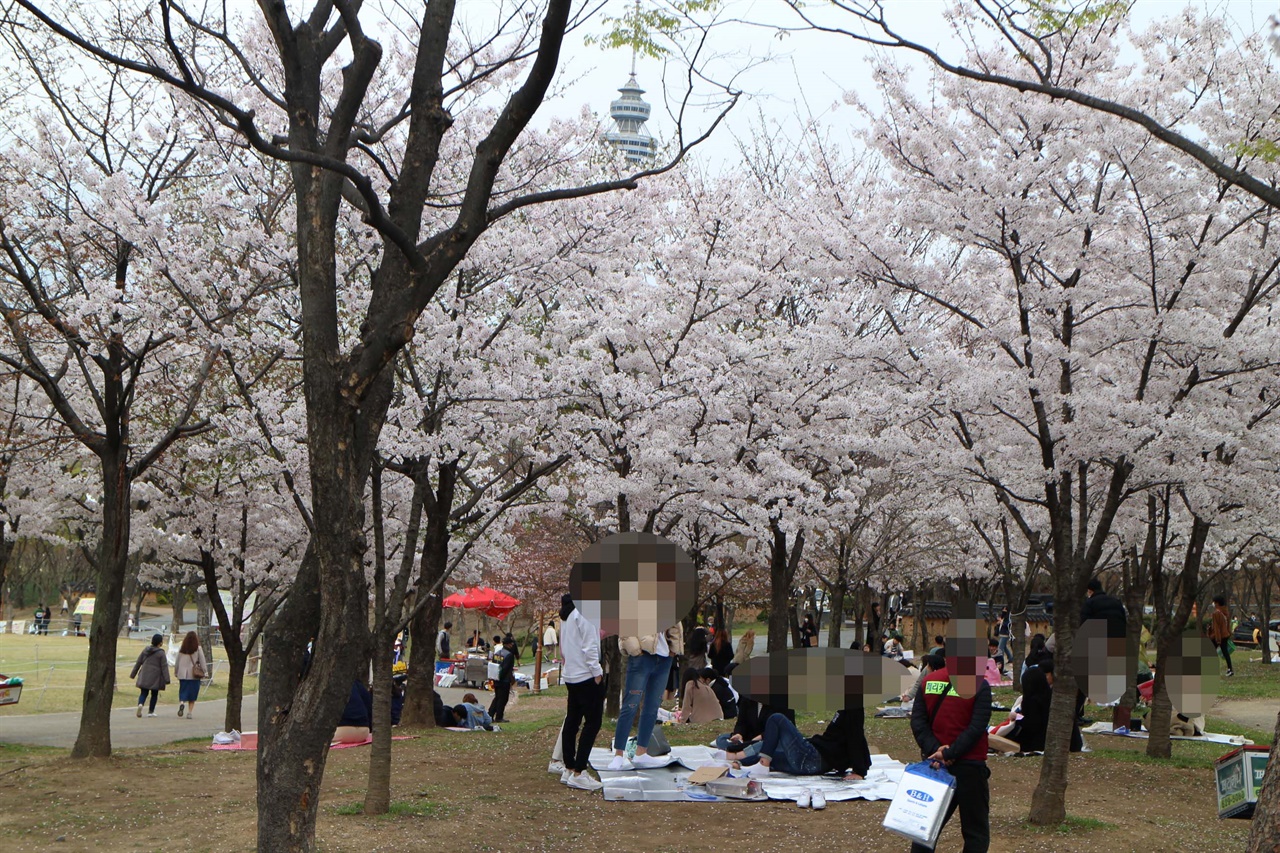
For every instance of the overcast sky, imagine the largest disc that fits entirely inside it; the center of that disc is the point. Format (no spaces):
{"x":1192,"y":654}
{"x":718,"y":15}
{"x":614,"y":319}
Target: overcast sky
{"x":798,"y":74}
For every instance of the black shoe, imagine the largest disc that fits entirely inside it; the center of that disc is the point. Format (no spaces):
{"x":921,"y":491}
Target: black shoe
{"x":1083,"y":722}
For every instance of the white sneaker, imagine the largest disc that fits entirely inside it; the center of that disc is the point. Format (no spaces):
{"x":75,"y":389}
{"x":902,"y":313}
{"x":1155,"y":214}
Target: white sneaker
{"x":139,"y":714}
{"x":804,"y":800}
{"x":620,"y":763}
{"x":647,"y":760}
{"x":556,"y":767}
{"x":583,"y":782}
{"x":181,"y":708}
{"x":566,"y":776}
{"x":819,"y":800}
{"x":153,"y":714}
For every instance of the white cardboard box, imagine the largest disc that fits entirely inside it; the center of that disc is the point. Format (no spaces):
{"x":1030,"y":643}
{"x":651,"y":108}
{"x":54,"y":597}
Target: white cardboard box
{"x":919,"y":806}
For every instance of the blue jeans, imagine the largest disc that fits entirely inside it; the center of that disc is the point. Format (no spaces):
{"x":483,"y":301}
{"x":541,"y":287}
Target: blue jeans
{"x":646,"y":681}
{"x":1003,"y":649}
{"x":748,"y":748}
{"x":788,"y":751}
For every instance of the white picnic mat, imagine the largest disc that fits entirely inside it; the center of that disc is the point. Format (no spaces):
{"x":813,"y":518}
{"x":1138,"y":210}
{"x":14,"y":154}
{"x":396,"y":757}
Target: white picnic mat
{"x":1101,"y":728}
{"x":670,"y":783}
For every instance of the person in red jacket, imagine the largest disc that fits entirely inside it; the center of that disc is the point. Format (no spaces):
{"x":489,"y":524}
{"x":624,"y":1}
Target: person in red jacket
{"x":949,"y":720}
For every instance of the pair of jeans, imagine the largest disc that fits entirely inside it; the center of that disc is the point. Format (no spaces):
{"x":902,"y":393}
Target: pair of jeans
{"x":142,"y":697}
{"x":748,"y":748}
{"x":788,"y":751}
{"x":586,"y":709}
{"x":646,"y":681}
{"x":973,"y":799}
{"x":1003,"y":649}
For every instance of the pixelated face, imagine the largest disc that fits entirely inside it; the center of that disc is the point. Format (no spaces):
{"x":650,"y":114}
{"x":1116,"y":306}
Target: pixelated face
{"x":634,"y":584}
{"x":1101,"y":662}
{"x":966,"y":649}
{"x":1191,"y":676}
{"x":820,"y":680}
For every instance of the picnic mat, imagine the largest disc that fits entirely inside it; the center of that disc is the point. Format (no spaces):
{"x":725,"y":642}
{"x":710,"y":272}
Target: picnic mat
{"x":670,"y":783}
{"x":249,"y":742}
{"x":1101,"y":728}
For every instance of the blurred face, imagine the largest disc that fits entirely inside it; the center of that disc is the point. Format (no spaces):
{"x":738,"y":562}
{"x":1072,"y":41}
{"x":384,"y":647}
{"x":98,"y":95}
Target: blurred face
{"x":966,"y":644}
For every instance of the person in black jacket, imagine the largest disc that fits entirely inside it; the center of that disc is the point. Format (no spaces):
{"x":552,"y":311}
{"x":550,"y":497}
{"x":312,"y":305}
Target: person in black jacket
{"x":749,"y":728}
{"x":1099,"y":605}
{"x":720,"y":655}
{"x":1037,"y":693}
{"x":506,"y":678}
{"x":842,"y":748}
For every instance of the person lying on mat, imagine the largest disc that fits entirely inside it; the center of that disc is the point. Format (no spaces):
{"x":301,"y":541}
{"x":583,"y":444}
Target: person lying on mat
{"x":842,"y":748}
{"x":471,"y":714}
{"x":748,"y":731}
{"x":357,"y":718}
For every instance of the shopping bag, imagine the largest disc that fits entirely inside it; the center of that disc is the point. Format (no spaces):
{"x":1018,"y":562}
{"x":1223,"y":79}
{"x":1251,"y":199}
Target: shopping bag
{"x":921,"y":802}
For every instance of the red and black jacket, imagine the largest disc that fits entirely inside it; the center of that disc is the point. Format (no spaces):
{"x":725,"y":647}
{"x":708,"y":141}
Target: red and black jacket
{"x":959,"y":722}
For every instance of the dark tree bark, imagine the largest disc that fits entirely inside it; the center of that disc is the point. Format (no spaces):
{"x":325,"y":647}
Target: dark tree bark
{"x":94,"y":737}
{"x":1264,"y":834}
{"x":783,"y":562}
{"x":1170,"y":623}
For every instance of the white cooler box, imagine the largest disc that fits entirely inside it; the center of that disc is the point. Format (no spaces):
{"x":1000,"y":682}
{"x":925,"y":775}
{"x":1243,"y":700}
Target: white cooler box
{"x":920,"y":804}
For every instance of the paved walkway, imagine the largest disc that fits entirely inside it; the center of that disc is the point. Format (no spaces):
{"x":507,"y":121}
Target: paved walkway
{"x":129,"y":731}
{"x":126,"y":729}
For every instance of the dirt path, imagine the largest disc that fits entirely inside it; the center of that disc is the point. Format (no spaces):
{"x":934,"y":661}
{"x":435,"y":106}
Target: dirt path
{"x":1255,"y":713}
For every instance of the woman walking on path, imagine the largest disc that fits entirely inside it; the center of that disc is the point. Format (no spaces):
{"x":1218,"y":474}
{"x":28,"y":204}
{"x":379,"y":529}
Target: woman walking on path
{"x":152,"y":674}
{"x":190,"y":668}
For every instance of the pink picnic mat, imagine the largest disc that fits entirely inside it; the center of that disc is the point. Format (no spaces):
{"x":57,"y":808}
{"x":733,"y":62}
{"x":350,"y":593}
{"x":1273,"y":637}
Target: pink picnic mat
{"x":249,"y":741}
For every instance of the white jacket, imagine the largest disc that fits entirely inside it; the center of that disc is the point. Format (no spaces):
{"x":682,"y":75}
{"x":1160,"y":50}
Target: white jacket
{"x":580,"y":648}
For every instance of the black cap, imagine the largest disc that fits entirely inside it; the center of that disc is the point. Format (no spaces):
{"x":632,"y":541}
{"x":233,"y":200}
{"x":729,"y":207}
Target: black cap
{"x":566,"y":599}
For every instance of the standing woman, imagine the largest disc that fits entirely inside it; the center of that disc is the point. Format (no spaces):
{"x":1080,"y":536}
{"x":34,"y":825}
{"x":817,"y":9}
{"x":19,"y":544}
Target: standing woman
{"x":720,"y":655}
{"x":152,"y":674}
{"x":190,"y":668}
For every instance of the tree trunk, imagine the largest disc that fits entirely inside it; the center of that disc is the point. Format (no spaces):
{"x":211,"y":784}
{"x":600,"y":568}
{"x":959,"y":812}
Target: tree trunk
{"x":1264,"y":834}
{"x":419,"y":704}
{"x":177,"y":601}
{"x":1135,"y":596}
{"x":1169,"y":636}
{"x":837,"y":618}
{"x":377,"y":798}
{"x":419,"y":701}
{"x":94,"y":738}
{"x":204,"y":623}
{"x":1049,"y":801}
{"x":614,"y":672}
{"x":236,"y":665}
{"x":782,"y":572}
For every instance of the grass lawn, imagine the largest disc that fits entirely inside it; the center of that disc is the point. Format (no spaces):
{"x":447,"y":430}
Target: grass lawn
{"x":490,"y":792}
{"x":53,"y":669}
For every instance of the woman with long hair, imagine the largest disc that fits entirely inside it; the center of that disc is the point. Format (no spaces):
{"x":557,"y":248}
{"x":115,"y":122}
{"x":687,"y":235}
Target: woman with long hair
{"x":190,"y":667}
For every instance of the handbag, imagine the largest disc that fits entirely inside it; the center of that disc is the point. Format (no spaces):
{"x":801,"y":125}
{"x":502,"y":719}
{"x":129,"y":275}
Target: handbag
{"x":197,"y":671}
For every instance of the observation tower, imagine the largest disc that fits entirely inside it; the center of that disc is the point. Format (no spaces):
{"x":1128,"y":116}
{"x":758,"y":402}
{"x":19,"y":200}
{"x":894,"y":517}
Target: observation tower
{"x":629,"y":113}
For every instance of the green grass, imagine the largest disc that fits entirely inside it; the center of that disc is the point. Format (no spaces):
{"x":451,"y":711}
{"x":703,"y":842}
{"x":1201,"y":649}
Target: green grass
{"x":53,"y":668}
{"x":1253,"y":680}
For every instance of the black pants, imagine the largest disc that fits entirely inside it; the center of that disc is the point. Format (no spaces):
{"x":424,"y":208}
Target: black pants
{"x":501,"y":693}
{"x":1226,"y":655}
{"x":973,"y":799}
{"x":142,"y":696}
{"x":586,"y":709}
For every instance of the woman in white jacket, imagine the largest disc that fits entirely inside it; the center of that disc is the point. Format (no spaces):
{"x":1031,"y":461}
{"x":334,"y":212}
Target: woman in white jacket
{"x":190,"y":667}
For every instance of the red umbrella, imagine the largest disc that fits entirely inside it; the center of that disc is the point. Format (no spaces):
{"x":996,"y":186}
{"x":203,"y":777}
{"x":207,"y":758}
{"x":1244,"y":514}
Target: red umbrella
{"x":485,"y":599}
